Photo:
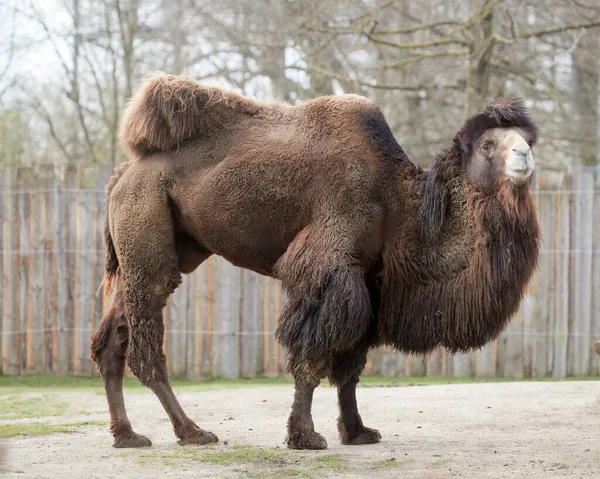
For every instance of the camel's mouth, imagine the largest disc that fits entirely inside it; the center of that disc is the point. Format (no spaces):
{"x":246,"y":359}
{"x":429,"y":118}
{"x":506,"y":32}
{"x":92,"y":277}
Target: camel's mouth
{"x":519,"y":175}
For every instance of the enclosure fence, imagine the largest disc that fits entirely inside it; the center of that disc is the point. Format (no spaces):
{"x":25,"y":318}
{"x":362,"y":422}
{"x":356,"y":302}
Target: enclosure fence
{"x":221,"y":320}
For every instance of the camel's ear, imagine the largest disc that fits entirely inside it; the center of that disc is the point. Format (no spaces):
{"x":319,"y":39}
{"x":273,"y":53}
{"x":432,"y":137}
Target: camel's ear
{"x":434,"y":204}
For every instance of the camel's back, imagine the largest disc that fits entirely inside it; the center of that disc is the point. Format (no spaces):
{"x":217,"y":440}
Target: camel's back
{"x":263,"y":179}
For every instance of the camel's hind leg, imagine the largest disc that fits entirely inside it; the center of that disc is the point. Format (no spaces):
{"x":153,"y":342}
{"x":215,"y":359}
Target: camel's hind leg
{"x":145,"y":242}
{"x":108,"y":348}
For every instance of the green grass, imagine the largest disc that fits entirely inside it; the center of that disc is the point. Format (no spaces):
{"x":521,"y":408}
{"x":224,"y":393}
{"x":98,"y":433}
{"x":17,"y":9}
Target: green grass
{"x":37,"y":382}
{"x":328,"y":462}
{"x":388,"y":464}
{"x":228,"y":457}
{"x":12,"y":430}
{"x":269,"y":461}
{"x":9,"y":384}
{"x":17,"y":407}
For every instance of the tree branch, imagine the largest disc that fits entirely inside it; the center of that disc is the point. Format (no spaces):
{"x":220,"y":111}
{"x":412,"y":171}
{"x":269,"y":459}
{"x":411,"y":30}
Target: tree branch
{"x":378,"y":86}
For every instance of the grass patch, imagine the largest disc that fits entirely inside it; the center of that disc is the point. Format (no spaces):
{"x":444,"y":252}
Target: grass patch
{"x":34,"y":382}
{"x":390,"y":381}
{"x":329,"y":462}
{"x":269,"y":462}
{"x":231,"y":456}
{"x":16,"y":407}
{"x":388,"y":464}
{"x":11,"y":384}
{"x":280,"y":474}
{"x":32,"y":430}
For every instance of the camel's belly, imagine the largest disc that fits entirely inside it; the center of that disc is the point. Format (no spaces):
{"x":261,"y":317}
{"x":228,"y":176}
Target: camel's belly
{"x":248,"y":227}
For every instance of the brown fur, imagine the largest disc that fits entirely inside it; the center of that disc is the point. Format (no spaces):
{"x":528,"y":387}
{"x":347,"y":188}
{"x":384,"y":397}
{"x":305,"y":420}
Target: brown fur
{"x":369,"y":248}
{"x":168,"y":110}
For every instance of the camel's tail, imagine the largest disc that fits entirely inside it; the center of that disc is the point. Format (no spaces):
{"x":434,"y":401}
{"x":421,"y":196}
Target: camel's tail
{"x":111,"y":262}
{"x":169,"y":109}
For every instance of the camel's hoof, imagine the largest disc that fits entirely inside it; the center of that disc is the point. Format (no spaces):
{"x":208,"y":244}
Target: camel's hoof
{"x":364,"y":435}
{"x":199,"y":438}
{"x":132,"y":440}
{"x":306,"y":440}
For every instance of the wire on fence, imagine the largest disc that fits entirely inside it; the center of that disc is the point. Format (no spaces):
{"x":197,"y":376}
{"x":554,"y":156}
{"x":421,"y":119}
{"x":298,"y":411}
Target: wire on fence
{"x":560,"y":334}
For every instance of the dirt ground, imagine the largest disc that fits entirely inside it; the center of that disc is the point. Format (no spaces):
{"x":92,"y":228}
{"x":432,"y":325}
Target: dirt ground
{"x":523,"y":429}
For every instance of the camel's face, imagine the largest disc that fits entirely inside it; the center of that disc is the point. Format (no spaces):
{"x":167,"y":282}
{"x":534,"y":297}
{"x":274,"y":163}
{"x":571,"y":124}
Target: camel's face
{"x":501,"y":152}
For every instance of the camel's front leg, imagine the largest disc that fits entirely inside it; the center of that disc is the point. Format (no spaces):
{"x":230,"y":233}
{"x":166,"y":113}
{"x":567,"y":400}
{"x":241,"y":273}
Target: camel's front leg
{"x":301,"y":429}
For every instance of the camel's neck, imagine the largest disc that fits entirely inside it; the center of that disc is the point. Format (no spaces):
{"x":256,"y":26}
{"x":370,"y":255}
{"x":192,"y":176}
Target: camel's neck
{"x":458,"y":286}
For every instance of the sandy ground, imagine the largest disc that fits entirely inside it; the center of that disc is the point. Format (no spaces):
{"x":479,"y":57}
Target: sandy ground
{"x":476,"y":430}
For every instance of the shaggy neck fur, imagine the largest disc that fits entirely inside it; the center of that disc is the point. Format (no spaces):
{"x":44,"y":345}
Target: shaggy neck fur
{"x":457,"y":278}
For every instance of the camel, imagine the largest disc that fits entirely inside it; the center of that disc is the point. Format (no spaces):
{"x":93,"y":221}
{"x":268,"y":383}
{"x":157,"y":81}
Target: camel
{"x":370,"y":248}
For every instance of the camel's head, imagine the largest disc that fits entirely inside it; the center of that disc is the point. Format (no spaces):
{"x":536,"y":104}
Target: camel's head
{"x":496,"y":144}
{"x":491,"y":150}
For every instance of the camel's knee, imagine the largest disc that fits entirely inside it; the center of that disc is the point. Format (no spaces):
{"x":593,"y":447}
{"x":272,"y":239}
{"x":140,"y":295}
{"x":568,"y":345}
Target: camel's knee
{"x":345,"y":368}
{"x":148,"y":365}
{"x":145,"y":355}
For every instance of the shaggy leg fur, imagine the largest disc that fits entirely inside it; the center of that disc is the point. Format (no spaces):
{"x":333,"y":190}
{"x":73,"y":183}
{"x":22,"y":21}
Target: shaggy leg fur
{"x":345,"y":371}
{"x":301,"y":429}
{"x":328,"y":308}
{"x":108,"y":348}
{"x":149,"y":265}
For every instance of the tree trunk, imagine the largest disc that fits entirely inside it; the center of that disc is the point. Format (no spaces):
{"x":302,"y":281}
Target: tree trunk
{"x":586,"y":67}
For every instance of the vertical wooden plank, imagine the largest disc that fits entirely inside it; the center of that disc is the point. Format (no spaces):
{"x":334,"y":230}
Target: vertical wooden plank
{"x":543,"y":317}
{"x":417,"y":364}
{"x":250,"y":325}
{"x":595,"y":326}
{"x":190,"y":321}
{"x":434,"y":363}
{"x":76,"y":211}
{"x":10,"y":350}
{"x":562,"y":257}
{"x":71,"y":184}
{"x":25,"y":337}
{"x":3,"y":281}
{"x":401,"y":361}
{"x":376,"y":360}
{"x":528,"y":313}
{"x":210,"y":301}
{"x":167,"y":336}
{"x":101,"y":177}
{"x":46,"y":274}
{"x":175,"y":335}
{"x":37,"y":314}
{"x":266,"y":326}
{"x":198,"y":317}
{"x":273,"y":359}
{"x":461,"y":364}
{"x":259,"y":363}
{"x":230,"y":320}
{"x":279,"y":367}
{"x":511,"y":344}
{"x":581,"y":276}
{"x":389,"y":362}
{"x":87,"y":227}
{"x":218,"y":316}
{"x":486,"y":360}
{"x":62,"y":287}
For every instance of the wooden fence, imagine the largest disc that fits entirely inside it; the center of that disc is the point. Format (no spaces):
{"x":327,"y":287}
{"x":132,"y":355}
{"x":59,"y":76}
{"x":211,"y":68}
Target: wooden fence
{"x":220,"y":322}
